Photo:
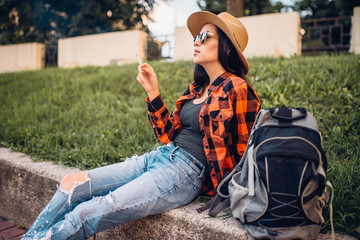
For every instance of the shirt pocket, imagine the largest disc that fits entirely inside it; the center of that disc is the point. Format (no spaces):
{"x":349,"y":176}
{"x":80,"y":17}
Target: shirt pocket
{"x":221,"y":115}
{"x":220,"y":122}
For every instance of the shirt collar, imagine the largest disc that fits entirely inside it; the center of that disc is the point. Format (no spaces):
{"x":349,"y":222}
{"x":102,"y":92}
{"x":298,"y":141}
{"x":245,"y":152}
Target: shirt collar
{"x":219,"y":80}
{"x":214,"y":86}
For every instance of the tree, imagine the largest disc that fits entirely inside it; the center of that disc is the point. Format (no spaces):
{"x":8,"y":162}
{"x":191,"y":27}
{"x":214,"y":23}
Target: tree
{"x":15,"y":25}
{"x":214,"y":6}
{"x":235,"y":7}
{"x":256,"y":7}
{"x":251,"y":7}
{"x":325,"y":8}
{"x":49,"y":20}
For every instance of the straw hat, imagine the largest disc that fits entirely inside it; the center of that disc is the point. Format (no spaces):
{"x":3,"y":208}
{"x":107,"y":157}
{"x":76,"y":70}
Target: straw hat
{"x":230,"y":25}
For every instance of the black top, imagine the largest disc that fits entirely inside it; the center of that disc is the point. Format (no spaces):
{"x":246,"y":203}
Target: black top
{"x":191,"y":138}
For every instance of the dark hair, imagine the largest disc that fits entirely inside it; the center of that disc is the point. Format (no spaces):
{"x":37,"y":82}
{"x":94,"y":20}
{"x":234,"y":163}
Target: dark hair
{"x":228,"y":58}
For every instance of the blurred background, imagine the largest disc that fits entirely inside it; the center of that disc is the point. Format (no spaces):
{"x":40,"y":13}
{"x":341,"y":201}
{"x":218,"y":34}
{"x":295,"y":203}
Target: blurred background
{"x":325,"y":24}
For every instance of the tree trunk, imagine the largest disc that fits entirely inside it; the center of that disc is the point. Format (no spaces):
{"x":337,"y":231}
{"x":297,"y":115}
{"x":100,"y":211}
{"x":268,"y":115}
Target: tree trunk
{"x":235,"y":7}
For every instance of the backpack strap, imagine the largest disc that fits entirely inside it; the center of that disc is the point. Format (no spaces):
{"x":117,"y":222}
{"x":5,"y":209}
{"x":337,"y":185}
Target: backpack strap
{"x":251,"y":181}
{"x":285,"y":114}
{"x":220,"y":201}
{"x":221,"y":206}
{"x":328,"y":184}
{"x":216,"y":205}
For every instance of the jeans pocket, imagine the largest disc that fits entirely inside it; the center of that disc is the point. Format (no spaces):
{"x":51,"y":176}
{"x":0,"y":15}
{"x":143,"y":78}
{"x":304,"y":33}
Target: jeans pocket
{"x":191,"y":195}
{"x":199,"y":177}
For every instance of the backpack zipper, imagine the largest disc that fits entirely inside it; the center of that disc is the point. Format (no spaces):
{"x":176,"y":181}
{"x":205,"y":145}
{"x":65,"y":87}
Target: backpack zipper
{"x":285,"y":138}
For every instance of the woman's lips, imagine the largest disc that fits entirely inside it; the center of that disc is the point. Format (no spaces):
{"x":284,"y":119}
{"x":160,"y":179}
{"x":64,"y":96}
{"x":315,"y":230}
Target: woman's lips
{"x":196,"y":52}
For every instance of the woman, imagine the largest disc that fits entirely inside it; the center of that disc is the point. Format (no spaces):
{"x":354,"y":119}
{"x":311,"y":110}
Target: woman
{"x":207,"y":132}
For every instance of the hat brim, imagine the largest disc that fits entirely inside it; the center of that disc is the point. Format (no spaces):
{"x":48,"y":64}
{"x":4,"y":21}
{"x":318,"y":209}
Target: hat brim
{"x":198,"y":19}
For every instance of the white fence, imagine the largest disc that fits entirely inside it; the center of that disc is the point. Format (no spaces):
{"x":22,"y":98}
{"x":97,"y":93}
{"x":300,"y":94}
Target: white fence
{"x":355,"y":32}
{"x":25,"y":56}
{"x":102,"y":49}
{"x":275,"y":34}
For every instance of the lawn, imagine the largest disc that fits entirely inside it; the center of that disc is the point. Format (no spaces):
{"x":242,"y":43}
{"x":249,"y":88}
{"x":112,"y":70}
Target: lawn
{"x":94,"y":116}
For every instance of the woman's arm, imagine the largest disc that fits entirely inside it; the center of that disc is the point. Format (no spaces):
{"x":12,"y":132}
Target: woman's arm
{"x":166,"y":126}
{"x":148,"y":79}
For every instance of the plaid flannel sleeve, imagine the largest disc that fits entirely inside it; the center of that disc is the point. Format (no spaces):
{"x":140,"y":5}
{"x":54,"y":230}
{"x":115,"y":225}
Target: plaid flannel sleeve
{"x":166,"y":126}
{"x":247,"y":106}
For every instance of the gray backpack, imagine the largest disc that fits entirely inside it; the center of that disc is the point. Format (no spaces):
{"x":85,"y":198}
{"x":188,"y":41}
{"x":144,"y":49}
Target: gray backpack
{"x":278,"y":189}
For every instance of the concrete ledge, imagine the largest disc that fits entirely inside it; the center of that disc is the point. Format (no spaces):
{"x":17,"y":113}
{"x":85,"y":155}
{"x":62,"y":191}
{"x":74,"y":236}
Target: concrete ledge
{"x":27,"y":186}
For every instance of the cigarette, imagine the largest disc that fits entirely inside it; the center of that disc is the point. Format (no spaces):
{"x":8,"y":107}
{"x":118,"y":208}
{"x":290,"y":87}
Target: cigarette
{"x":138,"y":59}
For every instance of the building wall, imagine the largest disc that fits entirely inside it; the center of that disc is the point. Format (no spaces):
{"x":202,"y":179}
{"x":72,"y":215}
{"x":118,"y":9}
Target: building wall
{"x":102,"y":49}
{"x":183,"y":44}
{"x":24,"y":56}
{"x":276,"y":34}
{"x":273,"y":34}
{"x":355,"y":32}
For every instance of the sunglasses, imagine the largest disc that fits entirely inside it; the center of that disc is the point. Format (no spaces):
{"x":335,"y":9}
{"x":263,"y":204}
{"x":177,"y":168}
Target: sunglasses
{"x":204,"y":36}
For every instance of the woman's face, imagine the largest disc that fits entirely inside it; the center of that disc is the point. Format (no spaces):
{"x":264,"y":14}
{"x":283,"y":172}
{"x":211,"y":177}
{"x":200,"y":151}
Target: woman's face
{"x":207,"y":53}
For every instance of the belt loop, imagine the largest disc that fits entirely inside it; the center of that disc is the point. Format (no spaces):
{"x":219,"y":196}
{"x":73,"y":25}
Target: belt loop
{"x":190,"y":158}
{"x":172,"y":154}
{"x":186,"y":155}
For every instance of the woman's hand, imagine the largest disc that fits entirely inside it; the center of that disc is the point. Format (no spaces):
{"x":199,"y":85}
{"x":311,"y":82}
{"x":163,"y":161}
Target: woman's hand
{"x":148,"y":79}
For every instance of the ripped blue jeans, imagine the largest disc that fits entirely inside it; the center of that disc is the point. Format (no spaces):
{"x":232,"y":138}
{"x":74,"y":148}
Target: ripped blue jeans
{"x":145,"y":185}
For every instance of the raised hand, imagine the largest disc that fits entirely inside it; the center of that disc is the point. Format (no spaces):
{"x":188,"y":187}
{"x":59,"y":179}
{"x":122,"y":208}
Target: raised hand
{"x":148,"y":79}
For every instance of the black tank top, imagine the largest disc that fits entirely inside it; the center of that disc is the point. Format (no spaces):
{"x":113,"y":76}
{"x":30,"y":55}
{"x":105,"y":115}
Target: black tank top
{"x":190,"y":138}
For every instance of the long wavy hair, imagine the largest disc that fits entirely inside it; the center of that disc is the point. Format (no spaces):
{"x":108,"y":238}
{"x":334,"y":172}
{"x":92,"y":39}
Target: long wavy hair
{"x":228,"y":58}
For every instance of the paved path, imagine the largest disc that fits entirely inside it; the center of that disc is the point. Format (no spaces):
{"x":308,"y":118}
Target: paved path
{"x":10,"y":231}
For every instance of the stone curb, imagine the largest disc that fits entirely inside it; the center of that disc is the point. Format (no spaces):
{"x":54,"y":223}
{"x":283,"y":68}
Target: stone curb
{"x":27,"y":186}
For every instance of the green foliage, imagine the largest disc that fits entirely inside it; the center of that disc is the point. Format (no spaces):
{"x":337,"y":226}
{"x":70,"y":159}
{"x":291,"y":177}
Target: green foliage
{"x":325,"y":8}
{"x":307,"y":8}
{"x":49,"y":20}
{"x":250,"y":7}
{"x":94,"y":116}
{"x":256,"y":7}
{"x":214,"y":6}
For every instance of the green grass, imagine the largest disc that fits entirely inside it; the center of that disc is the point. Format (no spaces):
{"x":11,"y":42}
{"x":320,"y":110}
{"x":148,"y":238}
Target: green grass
{"x":94,"y":116}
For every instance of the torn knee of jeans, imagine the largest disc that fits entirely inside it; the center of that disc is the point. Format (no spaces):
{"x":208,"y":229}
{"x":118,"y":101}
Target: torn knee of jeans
{"x":97,"y":200}
{"x":62,"y":190}
{"x":109,"y":198}
{"x":134,"y":158}
{"x":61,"y":227}
{"x":48,"y":235}
{"x":70,"y":218}
{"x":39,"y":236}
{"x":81,"y":186}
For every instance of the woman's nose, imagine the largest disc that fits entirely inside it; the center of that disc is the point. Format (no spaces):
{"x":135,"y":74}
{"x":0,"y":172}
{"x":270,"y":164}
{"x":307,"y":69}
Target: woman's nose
{"x":197,"y":43}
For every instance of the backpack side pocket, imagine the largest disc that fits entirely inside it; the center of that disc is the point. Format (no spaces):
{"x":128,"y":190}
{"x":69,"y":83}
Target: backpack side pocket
{"x":244,"y":207}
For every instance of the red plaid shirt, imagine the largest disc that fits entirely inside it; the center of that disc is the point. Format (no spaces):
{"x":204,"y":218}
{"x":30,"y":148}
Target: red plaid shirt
{"x":226,"y":119}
